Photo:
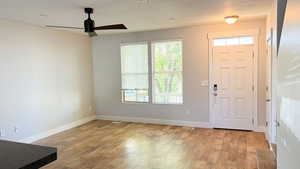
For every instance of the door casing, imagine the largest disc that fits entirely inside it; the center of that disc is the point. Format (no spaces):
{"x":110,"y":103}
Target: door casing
{"x":255,"y":34}
{"x":269,"y":86}
{"x":271,"y":131}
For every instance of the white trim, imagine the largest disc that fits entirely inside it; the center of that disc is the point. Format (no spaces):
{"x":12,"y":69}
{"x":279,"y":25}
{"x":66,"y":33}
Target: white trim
{"x":165,"y":40}
{"x":156,"y":121}
{"x":272,"y":116}
{"x":48,"y":133}
{"x":215,"y":35}
{"x":133,"y":43}
{"x":251,"y":32}
{"x":269,"y":39}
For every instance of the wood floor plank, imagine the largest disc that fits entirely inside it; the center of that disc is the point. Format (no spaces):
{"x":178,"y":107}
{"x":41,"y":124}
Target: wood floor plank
{"x":266,"y":160}
{"x":106,"y":145}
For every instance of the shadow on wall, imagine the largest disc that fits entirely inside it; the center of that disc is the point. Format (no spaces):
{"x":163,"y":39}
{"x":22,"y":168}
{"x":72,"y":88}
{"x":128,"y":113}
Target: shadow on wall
{"x":281,"y":7}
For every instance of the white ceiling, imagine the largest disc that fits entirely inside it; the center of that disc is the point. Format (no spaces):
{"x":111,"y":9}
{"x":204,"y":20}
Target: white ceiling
{"x":138,"y":15}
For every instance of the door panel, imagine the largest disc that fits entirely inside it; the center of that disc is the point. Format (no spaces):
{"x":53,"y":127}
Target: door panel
{"x":233,"y":75}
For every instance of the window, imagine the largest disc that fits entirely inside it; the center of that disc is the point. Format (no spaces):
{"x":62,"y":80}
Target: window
{"x":165,"y":78}
{"x":243,"y":40}
{"x":134,"y":62}
{"x":167,"y":72}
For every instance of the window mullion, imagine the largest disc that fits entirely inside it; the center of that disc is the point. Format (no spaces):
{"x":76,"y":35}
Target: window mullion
{"x":150,"y":75}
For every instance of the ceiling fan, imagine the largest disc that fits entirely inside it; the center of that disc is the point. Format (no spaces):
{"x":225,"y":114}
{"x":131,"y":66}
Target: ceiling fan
{"x":89,"y":25}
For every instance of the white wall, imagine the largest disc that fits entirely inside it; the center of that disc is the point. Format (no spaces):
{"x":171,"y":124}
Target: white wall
{"x":289,"y":89}
{"x":45,"y":79}
{"x":106,"y":56}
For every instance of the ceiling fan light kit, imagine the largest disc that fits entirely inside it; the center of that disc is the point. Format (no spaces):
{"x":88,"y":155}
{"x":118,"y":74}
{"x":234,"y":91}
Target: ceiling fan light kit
{"x":89,"y":25}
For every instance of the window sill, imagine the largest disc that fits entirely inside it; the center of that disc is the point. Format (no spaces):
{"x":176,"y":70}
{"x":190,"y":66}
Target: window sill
{"x":160,"y":104}
{"x":135,"y":103}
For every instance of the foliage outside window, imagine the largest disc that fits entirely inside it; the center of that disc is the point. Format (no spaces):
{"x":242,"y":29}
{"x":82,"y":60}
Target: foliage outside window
{"x":167,"y":72}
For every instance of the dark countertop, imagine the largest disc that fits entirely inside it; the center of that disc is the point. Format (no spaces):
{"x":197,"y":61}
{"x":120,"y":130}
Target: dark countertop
{"x":25,"y":156}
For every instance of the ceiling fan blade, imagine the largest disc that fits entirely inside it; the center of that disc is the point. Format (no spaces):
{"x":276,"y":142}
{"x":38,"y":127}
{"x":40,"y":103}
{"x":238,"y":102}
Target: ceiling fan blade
{"x":92,"y":34}
{"x":109,"y":27}
{"x":64,"y":27}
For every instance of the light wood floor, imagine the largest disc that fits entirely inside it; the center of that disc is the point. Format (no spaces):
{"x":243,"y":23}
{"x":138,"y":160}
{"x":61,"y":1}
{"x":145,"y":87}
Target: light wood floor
{"x":104,"y":145}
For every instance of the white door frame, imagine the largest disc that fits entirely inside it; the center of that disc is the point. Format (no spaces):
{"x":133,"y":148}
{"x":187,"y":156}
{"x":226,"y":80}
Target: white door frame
{"x":269,"y":113}
{"x":250,"y":32}
{"x":273,"y":114}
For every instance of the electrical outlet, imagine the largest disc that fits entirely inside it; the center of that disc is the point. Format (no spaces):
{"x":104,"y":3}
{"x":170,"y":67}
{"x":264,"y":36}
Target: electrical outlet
{"x":16,"y":129}
{"x":284,"y":142}
{"x":2,"y":132}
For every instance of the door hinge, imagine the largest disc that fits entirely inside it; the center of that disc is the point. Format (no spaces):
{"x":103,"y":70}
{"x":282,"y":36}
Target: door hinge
{"x":253,"y":88}
{"x":253,"y":121}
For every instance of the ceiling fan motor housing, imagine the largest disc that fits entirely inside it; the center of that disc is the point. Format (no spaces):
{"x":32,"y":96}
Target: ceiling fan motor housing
{"x":89,"y":10}
{"x":89,"y":25}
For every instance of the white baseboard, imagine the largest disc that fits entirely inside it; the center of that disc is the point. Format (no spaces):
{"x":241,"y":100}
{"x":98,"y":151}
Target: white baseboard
{"x":156,"y":121}
{"x":57,"y":130}
{"x":261,"y":129}
{"x":166,"y":122}
{"x":126,"y":119}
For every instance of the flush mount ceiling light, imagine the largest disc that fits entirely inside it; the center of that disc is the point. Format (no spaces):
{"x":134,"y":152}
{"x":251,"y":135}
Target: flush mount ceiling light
{"x":231,"y":19}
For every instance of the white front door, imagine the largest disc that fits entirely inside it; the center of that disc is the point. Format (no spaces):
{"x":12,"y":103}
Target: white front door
{"x":232,"y":87}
